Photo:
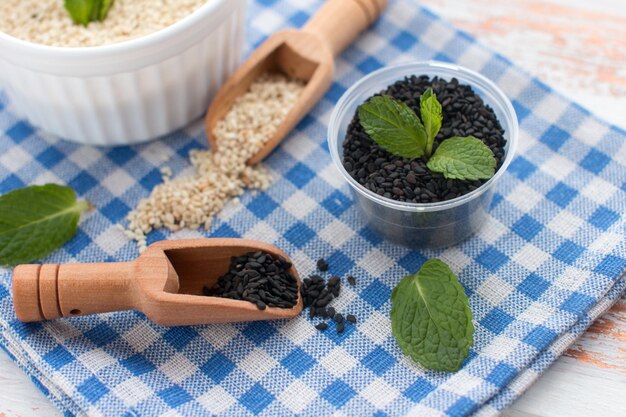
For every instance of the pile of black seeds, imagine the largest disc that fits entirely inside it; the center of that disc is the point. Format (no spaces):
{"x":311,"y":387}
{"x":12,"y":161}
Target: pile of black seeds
{"x":317,"y":294}
{"x":259,"y":278}
{"x":402,"y":179}
{"x":265,"y":280}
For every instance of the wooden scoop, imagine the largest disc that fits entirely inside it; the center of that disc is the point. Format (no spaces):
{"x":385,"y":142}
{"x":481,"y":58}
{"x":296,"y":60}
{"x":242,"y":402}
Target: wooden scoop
{"x":165,"y":283}
{"x":306,"y":54}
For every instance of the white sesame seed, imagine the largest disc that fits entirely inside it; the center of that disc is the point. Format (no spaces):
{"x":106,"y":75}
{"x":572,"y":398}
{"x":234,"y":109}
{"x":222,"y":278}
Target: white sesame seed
{"x":166,"y":172}
{"x":222,"y":176}
{"x":47,"y":22}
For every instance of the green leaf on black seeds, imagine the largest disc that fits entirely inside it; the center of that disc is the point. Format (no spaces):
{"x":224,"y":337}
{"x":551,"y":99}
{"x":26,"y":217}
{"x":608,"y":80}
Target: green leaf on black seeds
{"x":36,"y":220}
{"x":431,"y":317}
{"x":394,"y":126}
{"x":464,"y":159}
{"x":85,"y":11}
{"x":431,"y":117}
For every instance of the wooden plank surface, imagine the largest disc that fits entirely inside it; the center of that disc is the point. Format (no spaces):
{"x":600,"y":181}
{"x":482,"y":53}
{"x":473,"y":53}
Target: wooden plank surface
{"x":579,"y":48}
{"x":576,"y":46}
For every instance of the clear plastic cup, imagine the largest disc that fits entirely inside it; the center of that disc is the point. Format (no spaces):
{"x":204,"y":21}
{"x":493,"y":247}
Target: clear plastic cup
{"x":431,"y":224}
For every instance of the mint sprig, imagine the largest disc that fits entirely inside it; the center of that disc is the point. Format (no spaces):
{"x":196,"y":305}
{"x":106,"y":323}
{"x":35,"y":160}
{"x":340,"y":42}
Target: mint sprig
{"x":431,"y":318}
{"x":463,"y":158}
{"x":396,"y":128}
{"x":432,"y":116}
{"x":37,"y":220}
{"x":84,"y":11}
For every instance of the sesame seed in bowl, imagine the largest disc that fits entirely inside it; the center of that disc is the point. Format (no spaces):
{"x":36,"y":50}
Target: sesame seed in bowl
{"x":47,"y":22}
{"x":149,"y":68}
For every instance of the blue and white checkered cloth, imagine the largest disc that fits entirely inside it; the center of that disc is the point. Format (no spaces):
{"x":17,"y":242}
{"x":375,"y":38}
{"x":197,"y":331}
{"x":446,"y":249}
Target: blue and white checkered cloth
{"x":547,"y":263}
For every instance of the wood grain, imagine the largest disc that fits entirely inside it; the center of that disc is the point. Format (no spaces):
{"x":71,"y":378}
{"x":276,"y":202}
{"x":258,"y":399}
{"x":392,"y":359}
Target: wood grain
{"x":604,"y":343}
{"x":577,"y":47}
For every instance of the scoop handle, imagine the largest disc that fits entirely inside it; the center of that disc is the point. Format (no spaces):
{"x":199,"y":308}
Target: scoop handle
{"x":50,"y":291}
{"x":339,"y":22}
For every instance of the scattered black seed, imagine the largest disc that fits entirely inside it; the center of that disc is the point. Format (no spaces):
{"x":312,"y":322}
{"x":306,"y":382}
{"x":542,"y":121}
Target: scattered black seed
{"x":402,"y":179}
{"x":321,"y":326}
{"x":322,"y":265}
{"x":317,"y":294}
{"x":259,"y":278}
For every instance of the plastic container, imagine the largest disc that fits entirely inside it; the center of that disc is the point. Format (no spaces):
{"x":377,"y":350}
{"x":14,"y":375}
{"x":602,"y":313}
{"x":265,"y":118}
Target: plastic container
{"x":126,"y":92}
{"x":432,"y":224}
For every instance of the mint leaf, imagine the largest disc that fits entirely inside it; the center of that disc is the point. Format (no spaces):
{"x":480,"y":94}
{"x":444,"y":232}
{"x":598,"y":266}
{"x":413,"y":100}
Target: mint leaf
{"x":84,"y":11}
{"x":431,"y":117}
{"x":36,"y":220}
{"x":394,"y":126}
{"x":80,"y":10}
{"x":464,"y":159}
{"x":431,"y":317}
{"x":105,"y":5}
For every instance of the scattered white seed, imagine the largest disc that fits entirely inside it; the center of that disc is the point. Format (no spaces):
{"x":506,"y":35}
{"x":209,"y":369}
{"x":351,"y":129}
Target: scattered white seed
{"x":166,"y":172}
{"x":220,"y":177}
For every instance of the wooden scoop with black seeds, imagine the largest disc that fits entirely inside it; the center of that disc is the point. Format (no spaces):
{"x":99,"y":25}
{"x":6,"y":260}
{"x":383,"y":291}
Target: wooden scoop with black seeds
{"x":167,"y":283}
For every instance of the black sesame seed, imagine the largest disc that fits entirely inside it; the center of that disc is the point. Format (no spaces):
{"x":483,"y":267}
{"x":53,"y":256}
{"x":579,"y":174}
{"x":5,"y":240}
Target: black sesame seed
{"x":340,"y":327}
{"x":338,"y":318}
{"x":331,"y":312}
{"x":321,"y":326}
{"x":323,"y":302}
{"x":259,"y":278}
{"x":322,"y":265}
{"x":333,"y":281}
{"x":351,"y":280}
{"x":351,"y":318}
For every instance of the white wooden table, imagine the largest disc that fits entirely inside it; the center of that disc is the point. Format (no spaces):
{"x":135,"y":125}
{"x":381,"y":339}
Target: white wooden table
{"x":578,"y":47}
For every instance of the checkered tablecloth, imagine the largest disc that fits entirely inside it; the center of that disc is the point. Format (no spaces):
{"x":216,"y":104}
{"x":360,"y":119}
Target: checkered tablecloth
{"x":549,"y":260}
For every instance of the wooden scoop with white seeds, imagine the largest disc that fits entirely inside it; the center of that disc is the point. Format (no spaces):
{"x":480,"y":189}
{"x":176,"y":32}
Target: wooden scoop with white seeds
{"x":306,"y":54}
{"x":166,"y":283}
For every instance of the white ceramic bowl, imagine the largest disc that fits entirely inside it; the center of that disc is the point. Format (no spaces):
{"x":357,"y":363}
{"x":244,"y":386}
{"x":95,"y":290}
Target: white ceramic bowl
{"x":127,"y":92}
{"x":434,"y":224}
